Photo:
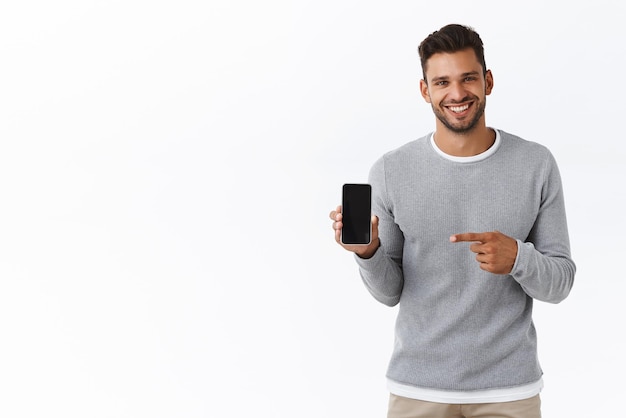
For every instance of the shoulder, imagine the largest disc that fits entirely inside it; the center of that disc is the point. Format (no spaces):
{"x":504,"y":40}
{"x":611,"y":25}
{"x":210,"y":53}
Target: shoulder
{"x":524,"y":156}
{"x":514,"y":143}
{"x":404,"y":154}
{"x":393,"y":167}
{"x":531,"y":154}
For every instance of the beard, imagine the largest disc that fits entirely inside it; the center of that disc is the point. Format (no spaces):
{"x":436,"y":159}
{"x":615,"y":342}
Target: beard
{"x":464,"y":126}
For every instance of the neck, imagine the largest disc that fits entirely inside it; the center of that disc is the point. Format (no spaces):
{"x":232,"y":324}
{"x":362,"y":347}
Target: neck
{"x":466,"y":144}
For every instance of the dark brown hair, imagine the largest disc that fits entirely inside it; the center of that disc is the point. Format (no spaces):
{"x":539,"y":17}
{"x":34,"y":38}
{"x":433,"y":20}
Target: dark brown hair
{"x":451,"y":38}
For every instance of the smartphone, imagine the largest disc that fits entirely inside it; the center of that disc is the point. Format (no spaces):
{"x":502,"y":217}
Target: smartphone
{"x":356,"y":202}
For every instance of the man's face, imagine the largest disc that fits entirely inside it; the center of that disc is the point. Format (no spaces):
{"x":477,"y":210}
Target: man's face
{"x":457,"y":89}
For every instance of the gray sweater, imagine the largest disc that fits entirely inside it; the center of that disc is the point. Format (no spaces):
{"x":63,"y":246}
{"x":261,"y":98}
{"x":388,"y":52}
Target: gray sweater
{"x":460,"y":328}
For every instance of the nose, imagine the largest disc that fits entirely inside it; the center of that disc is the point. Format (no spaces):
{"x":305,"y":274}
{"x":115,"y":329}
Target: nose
{"x":456,"y":92}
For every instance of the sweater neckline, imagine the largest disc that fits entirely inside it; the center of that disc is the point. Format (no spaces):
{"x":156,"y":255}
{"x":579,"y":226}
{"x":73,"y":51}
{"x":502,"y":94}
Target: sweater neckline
{"x":472,"y":159}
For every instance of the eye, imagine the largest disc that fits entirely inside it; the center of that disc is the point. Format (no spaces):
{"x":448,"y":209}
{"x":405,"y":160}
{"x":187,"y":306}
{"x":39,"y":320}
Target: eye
{"x":470,"y":78}
{"x":441,"y":83}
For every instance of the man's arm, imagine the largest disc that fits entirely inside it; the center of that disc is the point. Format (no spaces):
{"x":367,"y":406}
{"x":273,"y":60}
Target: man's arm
{"x":380,"y":263}
{"x":542,"y":265}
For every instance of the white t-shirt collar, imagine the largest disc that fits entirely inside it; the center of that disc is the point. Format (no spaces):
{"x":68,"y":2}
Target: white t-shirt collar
{"x":474,"y":158}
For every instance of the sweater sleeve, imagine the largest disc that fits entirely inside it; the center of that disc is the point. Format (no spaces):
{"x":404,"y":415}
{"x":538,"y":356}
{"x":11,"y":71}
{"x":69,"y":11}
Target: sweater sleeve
{"x":544,"y":267}
{"x":382,"y":273}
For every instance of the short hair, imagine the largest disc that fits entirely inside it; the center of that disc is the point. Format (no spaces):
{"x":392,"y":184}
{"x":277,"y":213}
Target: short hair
{"x":448,"y":39}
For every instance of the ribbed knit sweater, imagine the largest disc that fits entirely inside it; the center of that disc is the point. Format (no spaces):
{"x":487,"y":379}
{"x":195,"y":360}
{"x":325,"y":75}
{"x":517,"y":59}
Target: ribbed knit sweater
{"x":458,"y":327}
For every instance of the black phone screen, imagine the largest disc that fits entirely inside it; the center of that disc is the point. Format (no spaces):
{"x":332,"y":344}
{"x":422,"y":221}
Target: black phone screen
{"x":357,"y":213}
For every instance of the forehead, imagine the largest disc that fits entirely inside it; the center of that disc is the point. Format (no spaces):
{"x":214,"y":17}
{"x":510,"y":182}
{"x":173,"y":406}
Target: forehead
{"x":452,"y":64}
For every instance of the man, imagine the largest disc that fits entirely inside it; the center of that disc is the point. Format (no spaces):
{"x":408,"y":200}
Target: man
{"x":468,"y":228}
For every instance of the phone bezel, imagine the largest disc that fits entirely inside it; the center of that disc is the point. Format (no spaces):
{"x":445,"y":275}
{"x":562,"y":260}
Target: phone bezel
{"x":344,"y":194}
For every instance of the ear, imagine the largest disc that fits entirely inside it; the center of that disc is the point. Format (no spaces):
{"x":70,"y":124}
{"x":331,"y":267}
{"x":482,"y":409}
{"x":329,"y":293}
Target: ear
{"x":488,"y":82}
{"x":424,"y":91}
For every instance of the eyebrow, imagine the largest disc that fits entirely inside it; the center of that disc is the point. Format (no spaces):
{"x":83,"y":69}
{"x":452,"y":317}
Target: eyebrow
{"x":445,"y":77}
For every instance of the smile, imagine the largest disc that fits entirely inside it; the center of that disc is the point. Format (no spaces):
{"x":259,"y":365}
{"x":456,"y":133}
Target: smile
{"x":458,"y":109}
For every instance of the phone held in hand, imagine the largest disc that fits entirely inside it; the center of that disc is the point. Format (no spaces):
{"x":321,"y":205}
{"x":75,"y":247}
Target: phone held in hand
{"x":356,"y":202}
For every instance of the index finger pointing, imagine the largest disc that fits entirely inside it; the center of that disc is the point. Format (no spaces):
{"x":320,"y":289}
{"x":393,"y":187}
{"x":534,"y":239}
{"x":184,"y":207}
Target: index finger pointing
{"x":468,"y":237}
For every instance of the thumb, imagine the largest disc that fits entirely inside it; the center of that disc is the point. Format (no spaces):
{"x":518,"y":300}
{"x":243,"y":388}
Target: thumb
{"x":374,"y":227}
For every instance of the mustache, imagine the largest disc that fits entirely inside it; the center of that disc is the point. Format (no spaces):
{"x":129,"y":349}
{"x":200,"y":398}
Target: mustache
{"x":463,"y":100}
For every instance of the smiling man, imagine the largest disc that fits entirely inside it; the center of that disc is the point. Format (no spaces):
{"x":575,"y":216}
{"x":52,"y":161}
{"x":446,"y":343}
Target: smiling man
{"x":468,"y":230}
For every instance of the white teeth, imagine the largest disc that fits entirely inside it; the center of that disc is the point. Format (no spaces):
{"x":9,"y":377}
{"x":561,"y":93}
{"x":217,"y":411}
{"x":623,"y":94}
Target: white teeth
{"x":458,"y":109}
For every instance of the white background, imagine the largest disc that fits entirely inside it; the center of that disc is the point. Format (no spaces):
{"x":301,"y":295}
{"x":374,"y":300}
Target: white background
{"x":166,"y":173}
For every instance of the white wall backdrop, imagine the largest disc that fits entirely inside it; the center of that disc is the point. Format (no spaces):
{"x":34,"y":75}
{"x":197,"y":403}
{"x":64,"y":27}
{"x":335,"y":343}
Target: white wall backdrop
{"x":166,"y":173}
